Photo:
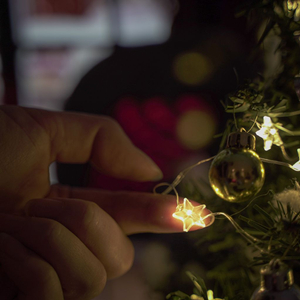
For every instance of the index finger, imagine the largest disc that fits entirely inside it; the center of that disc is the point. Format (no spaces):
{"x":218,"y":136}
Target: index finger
{"x":135,"y":212}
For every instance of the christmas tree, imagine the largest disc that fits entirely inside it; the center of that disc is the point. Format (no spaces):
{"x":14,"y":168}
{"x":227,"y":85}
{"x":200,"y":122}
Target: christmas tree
{"x":255,"y":175}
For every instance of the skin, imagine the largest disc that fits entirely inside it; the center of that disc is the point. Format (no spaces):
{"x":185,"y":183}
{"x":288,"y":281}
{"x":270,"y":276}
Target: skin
{"x":58,"y":242}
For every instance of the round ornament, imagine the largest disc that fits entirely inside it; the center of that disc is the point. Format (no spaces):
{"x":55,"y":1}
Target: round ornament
{"x":277,"y":283}
{"x":236,"y":174}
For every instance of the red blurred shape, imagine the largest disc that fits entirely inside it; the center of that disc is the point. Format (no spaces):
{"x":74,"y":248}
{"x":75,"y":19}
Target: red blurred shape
{"x":191,"y":102}
{"x":159,"y":114}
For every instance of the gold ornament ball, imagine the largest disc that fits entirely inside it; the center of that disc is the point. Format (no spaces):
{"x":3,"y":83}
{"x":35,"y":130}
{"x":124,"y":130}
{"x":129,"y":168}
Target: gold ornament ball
{"x":236,"y":174}
{"x":277,"y":283}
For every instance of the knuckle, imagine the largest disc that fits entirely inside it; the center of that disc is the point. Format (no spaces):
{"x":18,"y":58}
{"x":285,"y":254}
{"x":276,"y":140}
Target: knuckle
{"x":88,"y":215}
{"x":128,"y":259}
{"x":111,"y":127}
{"x":97,"y":283}
{"x":51,"y":231}
{"x":90,"y":287}
{"x":42,"y":275}
{"x":46,"y":276}
{"x":110,"y":122}
{"x":122,"y":262}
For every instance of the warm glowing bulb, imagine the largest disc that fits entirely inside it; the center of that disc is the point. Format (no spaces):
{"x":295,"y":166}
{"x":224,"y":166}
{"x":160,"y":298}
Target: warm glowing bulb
{"x":210,"y":295}
{"x":269,"y":133}
{"x":196,"y":297}
{"x":296,"y":166}
{"x":268,"y":145}
{"x":268,"y":121}
{"x":273,"y":131}
{"x":190,"y":215}
{"x":292,"y":9}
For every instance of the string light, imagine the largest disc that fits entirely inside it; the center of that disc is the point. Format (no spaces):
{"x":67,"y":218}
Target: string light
{"x":296,"y":166}
{"x":189,"y":214}
{"x":192,"y":215}
{"x":269,"y":133}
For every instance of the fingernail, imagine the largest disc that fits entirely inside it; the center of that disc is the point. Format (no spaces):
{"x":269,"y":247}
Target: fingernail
{"x":48,"y":208}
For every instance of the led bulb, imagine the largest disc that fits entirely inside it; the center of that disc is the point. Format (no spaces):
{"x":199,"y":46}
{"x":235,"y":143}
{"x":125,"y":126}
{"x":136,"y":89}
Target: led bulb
{"x":189,"y":214}
{"x":296,"y":166}
{"x":269,"y":133}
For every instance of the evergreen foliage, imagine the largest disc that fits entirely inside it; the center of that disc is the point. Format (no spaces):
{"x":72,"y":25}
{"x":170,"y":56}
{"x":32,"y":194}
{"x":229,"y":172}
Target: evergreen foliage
{"x":232,"y":263}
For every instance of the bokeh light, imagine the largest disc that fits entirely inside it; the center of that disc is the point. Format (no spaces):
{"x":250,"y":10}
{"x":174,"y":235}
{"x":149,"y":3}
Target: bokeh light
{"x":193,"y":68}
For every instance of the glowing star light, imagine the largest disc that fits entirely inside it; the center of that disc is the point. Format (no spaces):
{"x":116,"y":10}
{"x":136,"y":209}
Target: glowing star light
{"x":269,"y":133}
{"x":296,"y":166}
{"x":190,"y":215}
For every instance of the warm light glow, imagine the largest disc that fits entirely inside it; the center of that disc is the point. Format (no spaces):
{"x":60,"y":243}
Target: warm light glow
{"x":269,"y":133}
{"x":210,"y":296}
{"x":268,"y":145}
{"x":296,"y":166}
{"x":190,"y":215}
{"x":193,"y":68}
{"x":273,"y":131}
{"x":292,"y":9}
{"x":190,"y":123}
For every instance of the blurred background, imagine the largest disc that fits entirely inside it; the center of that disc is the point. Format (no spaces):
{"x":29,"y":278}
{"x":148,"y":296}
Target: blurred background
{"x":159,"y":67}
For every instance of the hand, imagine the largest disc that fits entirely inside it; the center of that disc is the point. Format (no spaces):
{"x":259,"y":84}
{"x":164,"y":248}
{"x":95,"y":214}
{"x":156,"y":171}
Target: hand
{"x":31,"y":139}
{"x":66,"y":247}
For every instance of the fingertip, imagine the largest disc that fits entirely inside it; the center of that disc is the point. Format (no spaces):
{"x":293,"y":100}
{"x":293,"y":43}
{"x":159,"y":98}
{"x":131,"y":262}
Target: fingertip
{"x":117,"y":156}
{"x":149,"y":170}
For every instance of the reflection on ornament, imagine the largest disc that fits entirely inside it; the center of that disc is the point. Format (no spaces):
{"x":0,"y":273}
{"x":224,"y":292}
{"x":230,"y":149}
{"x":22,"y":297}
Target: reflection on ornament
{"x":189,"y":214}
{"x":296,"y":166}
{"x":237,"y":173}
{"x":269,"y":133}
{"x":277,"y":283}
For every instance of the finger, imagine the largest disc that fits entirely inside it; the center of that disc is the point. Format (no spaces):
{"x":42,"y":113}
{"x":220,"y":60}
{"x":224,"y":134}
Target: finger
{"x":93,"y":226}
{"x":134,"y":212}
{"x":78,"y":138}
{"x":34,"y":277}
{"x":81,"y":274}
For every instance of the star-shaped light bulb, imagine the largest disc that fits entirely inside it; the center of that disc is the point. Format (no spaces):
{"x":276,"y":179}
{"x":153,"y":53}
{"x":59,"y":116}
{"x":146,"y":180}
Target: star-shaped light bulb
{"x":269,"y":133}
{"x":296,"y":166}
{"x":189,"y":214}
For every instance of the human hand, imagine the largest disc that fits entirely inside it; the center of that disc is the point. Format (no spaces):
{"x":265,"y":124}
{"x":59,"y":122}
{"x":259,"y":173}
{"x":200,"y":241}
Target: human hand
{"x":66,"y":248}
{"x":31,"y":139}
